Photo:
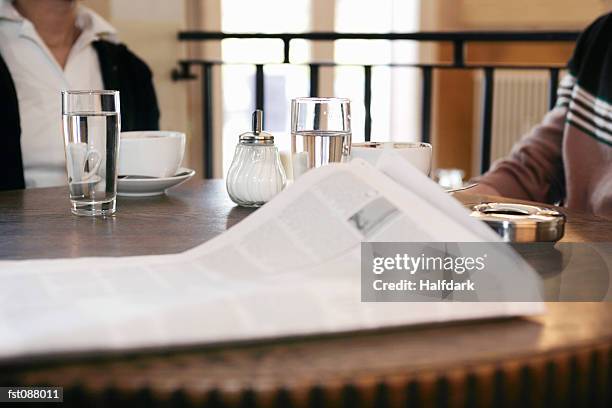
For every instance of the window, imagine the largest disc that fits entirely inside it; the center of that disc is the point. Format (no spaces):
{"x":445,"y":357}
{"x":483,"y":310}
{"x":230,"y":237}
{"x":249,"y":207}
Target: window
{"x":395,"y":92}
{"x":282,"y":82}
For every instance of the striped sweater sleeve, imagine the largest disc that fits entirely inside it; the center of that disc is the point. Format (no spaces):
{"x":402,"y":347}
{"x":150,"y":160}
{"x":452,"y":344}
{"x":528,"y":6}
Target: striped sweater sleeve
{"x":534,"y":168}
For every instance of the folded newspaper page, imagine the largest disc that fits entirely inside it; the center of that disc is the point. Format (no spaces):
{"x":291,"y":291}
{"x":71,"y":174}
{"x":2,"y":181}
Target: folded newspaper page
{"x":291,"y":268}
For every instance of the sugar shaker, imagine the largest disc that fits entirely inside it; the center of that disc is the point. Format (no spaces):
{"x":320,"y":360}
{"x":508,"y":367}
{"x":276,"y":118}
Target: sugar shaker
{"x":256,"y":173}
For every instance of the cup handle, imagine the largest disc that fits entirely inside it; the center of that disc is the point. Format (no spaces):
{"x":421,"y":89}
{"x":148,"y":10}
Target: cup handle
{"x":97,"y":157}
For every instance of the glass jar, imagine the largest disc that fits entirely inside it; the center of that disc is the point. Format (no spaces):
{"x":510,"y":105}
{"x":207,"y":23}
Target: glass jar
{"x":256,"y":173}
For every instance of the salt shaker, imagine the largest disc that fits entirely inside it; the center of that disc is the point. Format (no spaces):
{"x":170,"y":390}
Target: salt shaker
{"x":256,"y":174}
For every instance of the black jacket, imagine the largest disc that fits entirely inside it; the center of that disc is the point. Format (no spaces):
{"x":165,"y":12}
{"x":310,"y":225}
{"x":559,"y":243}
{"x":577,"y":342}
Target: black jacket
{"x":121,"y":70}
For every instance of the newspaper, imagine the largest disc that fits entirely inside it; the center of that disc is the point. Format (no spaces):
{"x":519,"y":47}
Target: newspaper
{"x":291,"y":268}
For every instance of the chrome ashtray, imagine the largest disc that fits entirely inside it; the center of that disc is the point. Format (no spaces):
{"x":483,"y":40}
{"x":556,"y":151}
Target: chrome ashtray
{"x":521,"y":222}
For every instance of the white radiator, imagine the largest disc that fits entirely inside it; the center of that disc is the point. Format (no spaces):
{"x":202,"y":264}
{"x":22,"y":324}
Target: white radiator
{"x":520,"y":100}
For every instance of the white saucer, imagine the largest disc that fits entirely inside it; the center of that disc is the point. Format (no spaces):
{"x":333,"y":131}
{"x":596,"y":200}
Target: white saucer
{"x":144,"y":187}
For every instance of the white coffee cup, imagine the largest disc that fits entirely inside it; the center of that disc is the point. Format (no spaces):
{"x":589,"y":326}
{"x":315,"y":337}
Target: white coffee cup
{"x":151,"y":153}
{"x":418,"y":154}
{"x":83,"y":161}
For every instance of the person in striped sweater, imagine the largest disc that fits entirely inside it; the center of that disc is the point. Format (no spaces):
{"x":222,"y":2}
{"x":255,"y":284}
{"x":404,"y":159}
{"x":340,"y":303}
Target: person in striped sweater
{"x":567,"y":158}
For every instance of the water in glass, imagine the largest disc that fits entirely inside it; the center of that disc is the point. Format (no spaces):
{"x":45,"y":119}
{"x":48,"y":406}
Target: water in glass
{"x":311,"y":149}
{"x":92,"y":142}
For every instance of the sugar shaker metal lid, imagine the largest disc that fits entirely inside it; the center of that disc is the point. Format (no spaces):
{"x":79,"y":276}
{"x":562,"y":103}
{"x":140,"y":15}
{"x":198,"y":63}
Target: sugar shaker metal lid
{"x":257,"y":135}
{"x":521,"y":222}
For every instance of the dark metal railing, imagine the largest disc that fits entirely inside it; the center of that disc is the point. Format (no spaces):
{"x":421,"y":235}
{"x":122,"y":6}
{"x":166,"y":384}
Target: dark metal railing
{"x":457,"y":39}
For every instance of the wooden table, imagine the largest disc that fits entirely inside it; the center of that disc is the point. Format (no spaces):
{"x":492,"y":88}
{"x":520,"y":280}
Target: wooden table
{"x":563,"y":358}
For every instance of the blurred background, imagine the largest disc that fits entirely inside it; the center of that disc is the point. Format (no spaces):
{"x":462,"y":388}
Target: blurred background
{"x":150,"y":28}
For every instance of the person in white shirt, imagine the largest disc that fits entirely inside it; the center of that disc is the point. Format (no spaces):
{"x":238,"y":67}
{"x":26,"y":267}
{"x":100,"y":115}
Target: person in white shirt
{"x":48,"y":46}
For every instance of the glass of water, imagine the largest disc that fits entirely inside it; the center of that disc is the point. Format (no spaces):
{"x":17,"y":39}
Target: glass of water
{"x":91,"y":125}
{"x":320,"y":132}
